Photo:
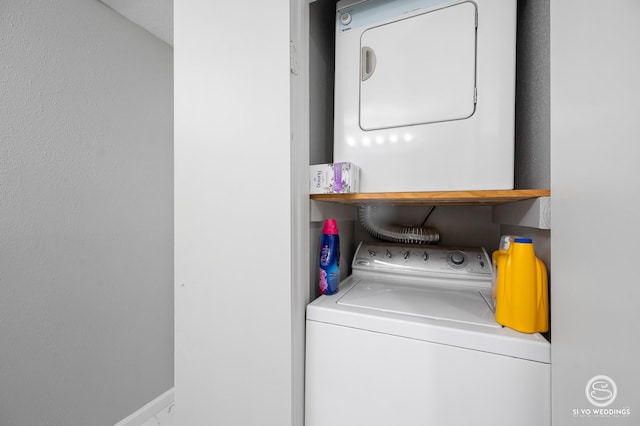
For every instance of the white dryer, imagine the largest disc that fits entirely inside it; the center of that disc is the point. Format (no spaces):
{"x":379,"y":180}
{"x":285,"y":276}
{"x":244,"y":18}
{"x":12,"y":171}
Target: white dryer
{"x":425,"y":93}
{"x":410,"y":340}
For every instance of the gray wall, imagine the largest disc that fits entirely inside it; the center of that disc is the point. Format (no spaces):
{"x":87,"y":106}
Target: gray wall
{"x":532,"y":95}
{"x":533,"y":115}
{"x":594,"y":181}
{"x":86,"y":304}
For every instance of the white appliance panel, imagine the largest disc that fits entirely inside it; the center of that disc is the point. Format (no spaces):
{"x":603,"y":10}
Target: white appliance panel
{"x":358,"y":377}
{"x":403,"y":129}
{"x":466,"y":306}
{"x":435,"y":82}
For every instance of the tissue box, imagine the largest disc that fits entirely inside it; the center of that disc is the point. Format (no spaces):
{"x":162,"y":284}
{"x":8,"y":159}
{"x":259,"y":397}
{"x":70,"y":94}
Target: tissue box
{"x":334,"y":178}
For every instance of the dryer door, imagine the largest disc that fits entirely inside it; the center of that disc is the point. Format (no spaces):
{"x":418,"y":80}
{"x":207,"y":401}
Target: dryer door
{"x":420,"y":69}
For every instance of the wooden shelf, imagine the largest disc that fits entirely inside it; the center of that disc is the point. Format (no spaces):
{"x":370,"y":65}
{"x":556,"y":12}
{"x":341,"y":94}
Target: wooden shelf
{"x":460,"y":198}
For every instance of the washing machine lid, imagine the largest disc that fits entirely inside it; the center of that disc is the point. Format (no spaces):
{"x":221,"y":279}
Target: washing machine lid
{"x":419,"y":69}
{"x":465,"y":306}
{"x":438,"y":315}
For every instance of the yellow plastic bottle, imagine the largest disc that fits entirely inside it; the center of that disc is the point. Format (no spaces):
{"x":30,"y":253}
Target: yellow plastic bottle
{"x":520,"y":291}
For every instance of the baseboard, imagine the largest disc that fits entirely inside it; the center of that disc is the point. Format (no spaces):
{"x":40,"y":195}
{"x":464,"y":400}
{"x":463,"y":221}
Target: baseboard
{"x":148,"y":410}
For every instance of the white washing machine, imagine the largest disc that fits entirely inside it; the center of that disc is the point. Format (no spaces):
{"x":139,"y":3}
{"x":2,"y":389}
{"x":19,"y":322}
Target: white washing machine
{"x":410,"y":340}
{"x":425,"y":93}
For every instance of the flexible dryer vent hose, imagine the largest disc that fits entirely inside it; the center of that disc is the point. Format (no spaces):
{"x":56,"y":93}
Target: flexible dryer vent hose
{"x":396,"y":234}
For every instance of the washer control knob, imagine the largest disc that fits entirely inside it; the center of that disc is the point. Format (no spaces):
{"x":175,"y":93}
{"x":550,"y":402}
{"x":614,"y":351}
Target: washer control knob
{"x":372,"y":253}
{"x":345,"y":18}
{"x":425,"y":256}
{"x":406,"y":254}
{"x":457,"y":258}
{"x":388,"y":254}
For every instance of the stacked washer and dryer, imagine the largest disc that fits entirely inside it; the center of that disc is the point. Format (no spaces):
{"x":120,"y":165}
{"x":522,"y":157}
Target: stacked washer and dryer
{"x":424,"y":101}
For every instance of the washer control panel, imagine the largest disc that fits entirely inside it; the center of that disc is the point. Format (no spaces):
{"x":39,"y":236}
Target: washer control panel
{"x":427,"y":261}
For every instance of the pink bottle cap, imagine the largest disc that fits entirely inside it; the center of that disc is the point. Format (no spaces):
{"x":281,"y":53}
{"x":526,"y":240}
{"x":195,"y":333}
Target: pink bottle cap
{"x":330,"y":227}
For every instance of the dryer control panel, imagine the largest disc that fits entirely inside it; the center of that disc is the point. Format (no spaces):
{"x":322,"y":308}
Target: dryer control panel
{"x":468,"y":266}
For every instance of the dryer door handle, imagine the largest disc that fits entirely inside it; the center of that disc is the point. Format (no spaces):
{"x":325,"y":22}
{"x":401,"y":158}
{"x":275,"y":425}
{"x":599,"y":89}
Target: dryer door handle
{"x":367,"y":63}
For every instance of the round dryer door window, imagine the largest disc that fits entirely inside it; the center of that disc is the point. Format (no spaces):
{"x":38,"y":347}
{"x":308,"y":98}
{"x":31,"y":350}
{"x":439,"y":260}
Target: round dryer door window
{"x":420,"y":69}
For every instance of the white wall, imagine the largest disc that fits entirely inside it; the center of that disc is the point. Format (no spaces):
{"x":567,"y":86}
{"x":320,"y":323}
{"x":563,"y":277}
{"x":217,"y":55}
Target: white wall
{"x":233,"y":198}
{"x":594,"y":179}
{"x":85,"y":214}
